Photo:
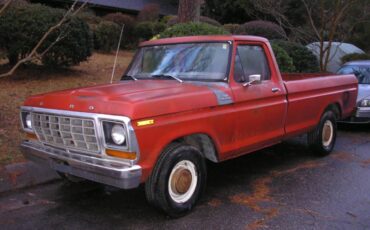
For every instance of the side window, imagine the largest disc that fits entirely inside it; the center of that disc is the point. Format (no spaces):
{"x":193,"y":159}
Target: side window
{"x":253,"y":60}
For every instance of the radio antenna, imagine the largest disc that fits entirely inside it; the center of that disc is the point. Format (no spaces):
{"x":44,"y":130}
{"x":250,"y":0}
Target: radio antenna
{"x":115,"y":60}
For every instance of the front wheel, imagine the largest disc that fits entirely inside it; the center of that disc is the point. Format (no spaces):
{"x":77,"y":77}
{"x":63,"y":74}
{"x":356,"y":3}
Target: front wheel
{"x":322,"y":139}
{"x":177,"y":180}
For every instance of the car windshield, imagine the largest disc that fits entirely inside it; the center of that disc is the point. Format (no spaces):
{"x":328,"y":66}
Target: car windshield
{"x":361,"y":72}
{"x":187,"y":61}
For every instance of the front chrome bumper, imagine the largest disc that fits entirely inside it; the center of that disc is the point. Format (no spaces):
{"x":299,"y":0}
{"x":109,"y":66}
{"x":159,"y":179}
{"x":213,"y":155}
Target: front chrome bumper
{"x":91,"y":168}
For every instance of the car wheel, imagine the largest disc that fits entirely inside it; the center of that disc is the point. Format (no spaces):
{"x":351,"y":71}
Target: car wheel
{"x":322,"y":139}
{"x":178,"y":180}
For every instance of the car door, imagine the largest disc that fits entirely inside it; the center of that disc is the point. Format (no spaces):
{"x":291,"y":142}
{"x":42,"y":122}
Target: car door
{"x":260,"y":107}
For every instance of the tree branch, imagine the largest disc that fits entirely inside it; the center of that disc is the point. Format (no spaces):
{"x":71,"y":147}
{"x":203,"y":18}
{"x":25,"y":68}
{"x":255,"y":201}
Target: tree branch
{"x":310,"y":18}
{"x":34,"y":54}
{"x":275,"y":9}
{"x":6,"y":4}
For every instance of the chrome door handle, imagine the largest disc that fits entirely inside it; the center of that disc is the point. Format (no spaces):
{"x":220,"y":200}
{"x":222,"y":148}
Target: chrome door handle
{"x":274,"y":90}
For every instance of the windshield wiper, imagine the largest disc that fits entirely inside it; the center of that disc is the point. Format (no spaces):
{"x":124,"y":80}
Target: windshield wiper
{"x":167,"y":76}
{"x":132,"y":77}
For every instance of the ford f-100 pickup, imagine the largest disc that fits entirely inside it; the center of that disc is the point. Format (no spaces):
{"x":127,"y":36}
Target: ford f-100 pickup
{"x":182,"y":102}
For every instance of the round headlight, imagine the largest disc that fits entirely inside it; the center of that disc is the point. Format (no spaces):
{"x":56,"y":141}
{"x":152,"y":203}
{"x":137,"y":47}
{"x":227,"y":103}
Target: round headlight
{"x":28,"y":121}
{"x":118,"y":134}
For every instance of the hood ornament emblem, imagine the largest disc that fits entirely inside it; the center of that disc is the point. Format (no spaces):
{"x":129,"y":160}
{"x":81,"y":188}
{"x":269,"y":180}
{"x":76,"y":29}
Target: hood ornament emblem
{"x":71,"y":106}
{"x":91,"y":107}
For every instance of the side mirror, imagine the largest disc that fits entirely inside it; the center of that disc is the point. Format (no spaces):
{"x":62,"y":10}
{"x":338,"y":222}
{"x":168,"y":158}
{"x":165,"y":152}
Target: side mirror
{"x":254,"y":78}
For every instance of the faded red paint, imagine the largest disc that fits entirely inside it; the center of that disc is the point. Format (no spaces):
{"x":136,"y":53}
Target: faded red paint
{"x":257,"y":118}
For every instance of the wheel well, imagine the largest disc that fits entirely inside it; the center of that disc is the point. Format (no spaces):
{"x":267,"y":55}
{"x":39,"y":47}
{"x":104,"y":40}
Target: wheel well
{"x":202,"y":142}
{"x":336,"y":109}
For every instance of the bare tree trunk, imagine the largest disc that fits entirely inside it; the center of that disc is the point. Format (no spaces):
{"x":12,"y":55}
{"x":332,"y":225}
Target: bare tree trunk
{"x":340,"y":12}
{"x":328,"y":24}
{"x":189,"y":11}
{"x":325,"y":17}
{"x":34,"y":54}
{"x":321,"y":55}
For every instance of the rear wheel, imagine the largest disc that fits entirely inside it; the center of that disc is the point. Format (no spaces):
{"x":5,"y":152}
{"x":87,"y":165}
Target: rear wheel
{"x":177,"y":180}
{"x":322,"y":139}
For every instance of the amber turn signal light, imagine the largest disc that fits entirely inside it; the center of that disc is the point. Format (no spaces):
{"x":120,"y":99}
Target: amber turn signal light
{"x":120,"y":154}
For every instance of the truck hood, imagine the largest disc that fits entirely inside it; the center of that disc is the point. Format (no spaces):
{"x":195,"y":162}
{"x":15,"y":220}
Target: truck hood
{"x":363,"y":92}
{"x":137,"y":99}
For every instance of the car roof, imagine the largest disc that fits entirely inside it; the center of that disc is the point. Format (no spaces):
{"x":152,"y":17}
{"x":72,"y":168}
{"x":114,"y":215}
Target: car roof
{"x":359,"y":62}
{"x":204,"y":38}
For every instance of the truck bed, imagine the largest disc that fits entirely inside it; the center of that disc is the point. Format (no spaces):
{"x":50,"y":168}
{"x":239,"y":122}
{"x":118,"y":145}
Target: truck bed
{"x":308,"y":93}
{"x":303,"y":76}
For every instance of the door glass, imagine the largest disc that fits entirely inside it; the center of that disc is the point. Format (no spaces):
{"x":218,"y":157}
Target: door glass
{"x":253,"y":60}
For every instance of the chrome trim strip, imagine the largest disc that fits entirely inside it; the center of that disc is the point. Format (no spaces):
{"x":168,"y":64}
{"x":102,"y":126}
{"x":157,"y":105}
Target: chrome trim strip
{"x":132,"y":145}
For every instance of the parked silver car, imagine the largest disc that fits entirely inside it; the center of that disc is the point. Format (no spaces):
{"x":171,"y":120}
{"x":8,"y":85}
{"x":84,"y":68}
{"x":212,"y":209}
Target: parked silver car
{"x":362,"y":71}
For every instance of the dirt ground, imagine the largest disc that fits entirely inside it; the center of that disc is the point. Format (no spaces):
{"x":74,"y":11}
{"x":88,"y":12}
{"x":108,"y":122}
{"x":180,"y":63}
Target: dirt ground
{"x":35,"y":80}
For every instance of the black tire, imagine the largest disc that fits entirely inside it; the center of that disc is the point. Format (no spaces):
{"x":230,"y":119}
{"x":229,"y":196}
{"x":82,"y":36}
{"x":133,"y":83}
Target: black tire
{"x":178,"y":162}
{"x":322,"y":139}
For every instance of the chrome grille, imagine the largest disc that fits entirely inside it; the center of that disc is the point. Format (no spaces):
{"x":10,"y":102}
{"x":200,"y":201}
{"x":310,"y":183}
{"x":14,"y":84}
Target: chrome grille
{"x":66,"y":132}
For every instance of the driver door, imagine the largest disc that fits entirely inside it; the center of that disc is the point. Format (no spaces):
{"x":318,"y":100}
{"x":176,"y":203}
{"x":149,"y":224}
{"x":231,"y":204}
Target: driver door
{"x":260,"y":106}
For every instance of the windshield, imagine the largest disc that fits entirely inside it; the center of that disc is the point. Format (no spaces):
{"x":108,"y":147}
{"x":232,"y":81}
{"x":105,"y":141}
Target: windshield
{"x":361,"y":72}
{"x":187,"y":61}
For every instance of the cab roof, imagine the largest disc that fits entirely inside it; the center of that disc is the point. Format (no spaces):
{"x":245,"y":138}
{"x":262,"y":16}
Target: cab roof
{"x":206,"y":38}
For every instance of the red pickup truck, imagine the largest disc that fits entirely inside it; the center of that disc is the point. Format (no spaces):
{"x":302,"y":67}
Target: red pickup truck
{"x":182,"y":102}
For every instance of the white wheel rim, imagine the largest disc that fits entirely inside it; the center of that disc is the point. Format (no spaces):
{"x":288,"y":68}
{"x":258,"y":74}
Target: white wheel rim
{"x":183,"y":181}
{"x":327,"y":133}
